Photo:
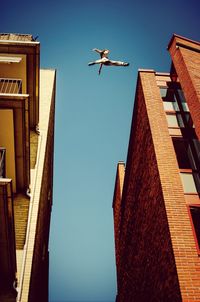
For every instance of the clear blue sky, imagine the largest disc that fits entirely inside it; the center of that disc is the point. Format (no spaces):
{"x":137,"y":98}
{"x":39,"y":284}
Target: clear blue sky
{"x":93,"y":117}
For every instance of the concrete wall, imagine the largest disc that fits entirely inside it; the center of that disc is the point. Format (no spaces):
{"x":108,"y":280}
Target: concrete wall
{"x":35,"y":273}
{"x":40,"y":269}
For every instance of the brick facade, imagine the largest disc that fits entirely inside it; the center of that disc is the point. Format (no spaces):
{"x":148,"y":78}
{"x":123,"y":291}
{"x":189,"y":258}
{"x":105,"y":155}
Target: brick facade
{"x":157,"y":259}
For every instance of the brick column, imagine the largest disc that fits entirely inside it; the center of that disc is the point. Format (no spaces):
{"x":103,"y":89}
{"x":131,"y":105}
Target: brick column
{"x":185,"y":55}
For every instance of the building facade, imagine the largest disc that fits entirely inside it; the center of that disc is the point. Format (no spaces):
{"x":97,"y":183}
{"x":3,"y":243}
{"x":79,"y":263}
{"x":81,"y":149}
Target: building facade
{"x":27,"y":106}
{"x":156,"y":201}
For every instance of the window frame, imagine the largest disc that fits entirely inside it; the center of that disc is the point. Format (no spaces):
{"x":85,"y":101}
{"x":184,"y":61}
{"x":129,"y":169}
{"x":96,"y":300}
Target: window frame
{"x":193,"y":227}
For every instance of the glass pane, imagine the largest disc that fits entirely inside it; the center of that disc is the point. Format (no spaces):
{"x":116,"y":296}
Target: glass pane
{"x":188,"y":183}
{"x":163,"y":91}
{"x":191,"y":158}
{"x":197,"y":147}
{"x":182,"y":99}
{"x":168,"y":106}
{"x":171,"y":106}
{"x":180,"y":120}
{"x":197,"y":180}
{"x":189,"y":119}
{"x":195,"y":213}
{"x":183,"y":154}
{"x":175,"y":103}
{"x":172,"y":120}
{"x":185,"y":107}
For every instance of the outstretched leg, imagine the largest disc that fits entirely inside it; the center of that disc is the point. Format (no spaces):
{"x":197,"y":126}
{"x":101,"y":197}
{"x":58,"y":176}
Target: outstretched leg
{"x":95,"y":62}
{"x":100,"y":68}
{"x":117,"y":63}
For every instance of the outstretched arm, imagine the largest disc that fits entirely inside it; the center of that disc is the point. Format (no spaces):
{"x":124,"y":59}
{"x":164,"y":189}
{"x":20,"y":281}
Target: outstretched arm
{"x":97,"y":50}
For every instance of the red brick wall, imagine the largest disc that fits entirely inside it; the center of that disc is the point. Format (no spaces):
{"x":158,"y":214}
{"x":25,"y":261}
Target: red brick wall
{"x":187,"y":261}
{"x":158,"y":258}
{"x":147,"y":268}
{"x":186,"y":58}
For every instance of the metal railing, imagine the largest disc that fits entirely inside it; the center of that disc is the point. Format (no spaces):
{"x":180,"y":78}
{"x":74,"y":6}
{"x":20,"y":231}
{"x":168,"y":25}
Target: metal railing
{"x":2,"y":162}
{"x":10,"y":85}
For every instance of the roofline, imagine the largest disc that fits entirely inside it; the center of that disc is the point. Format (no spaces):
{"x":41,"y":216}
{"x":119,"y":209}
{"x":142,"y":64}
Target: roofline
{"x":24,"y":43}
{"x":146,"y":70}
{"x":181,"y":37}
{"x":163,"y":73}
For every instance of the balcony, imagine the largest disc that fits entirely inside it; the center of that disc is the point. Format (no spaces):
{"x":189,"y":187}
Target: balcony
{"x":10,"y":86}
{"x":14,"y":120}
{"x":20,"y":63}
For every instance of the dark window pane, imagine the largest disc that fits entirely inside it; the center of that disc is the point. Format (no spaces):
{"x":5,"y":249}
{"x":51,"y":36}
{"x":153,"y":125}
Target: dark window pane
{"x":180,"y":120}
{"x":183,"y":154}
{"x":195,"y":213}
{"x":197,"y":147}
{"x":182,"y":99}
{"x":170,"y":96}
{"x":175,"y":105}
{"x":197,"y":180}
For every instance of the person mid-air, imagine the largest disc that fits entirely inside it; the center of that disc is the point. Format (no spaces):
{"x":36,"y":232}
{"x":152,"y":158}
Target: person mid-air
{"x":105,"y":61}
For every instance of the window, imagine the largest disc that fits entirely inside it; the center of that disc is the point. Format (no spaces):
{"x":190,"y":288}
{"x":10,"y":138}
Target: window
{"x":169,"y":99}
{"x":187,"y":164}
{"x":170,"y":106}
{"x":163,"y":92}
{"x":174,"y":120}
{"x":188,"y":183}
{"x":174,"y":100}
{"x":183,"y":153}
{"x":195,"y":215}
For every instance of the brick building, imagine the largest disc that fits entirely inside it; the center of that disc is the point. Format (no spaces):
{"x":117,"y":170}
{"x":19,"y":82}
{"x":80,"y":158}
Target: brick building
{"x":156,"y":198}
{"x":27,"y":96}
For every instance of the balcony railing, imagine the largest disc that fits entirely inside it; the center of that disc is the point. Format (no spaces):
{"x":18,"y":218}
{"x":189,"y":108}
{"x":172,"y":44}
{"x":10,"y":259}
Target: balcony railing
{"x":2,"y":162}
{"x":10,"y":85}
